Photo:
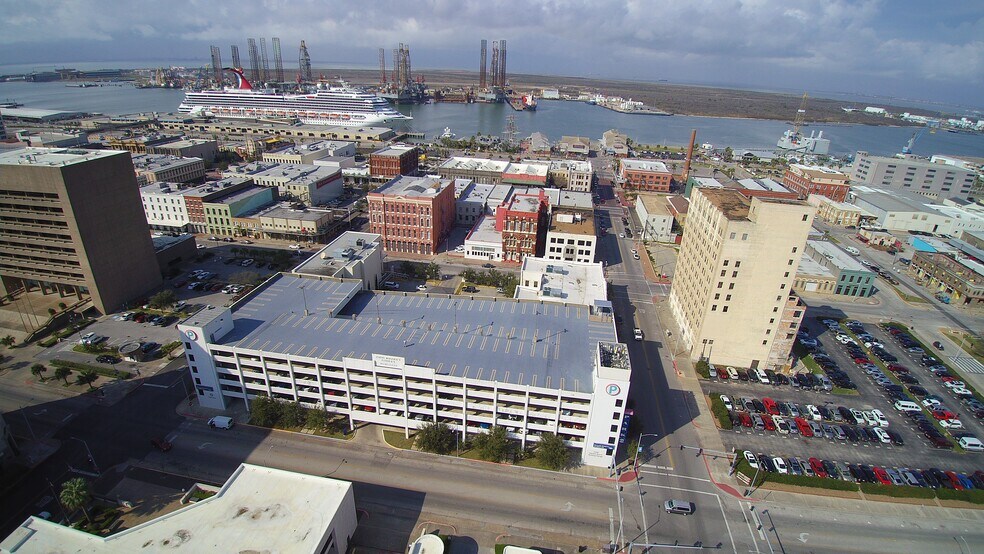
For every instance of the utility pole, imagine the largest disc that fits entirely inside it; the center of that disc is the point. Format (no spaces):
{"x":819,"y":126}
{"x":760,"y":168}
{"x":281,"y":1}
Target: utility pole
{"x":89,"y":452}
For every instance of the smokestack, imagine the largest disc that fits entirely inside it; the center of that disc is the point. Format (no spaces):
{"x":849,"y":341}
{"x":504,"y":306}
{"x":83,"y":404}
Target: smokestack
{"x":690,"y":156}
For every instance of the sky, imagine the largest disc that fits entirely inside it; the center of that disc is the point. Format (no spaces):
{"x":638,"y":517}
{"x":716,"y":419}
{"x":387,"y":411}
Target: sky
{"x":909,"y":49}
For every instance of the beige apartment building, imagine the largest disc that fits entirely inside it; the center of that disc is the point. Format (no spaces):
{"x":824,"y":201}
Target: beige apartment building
{"x":732,"y":297}
{"x":71,"y":223}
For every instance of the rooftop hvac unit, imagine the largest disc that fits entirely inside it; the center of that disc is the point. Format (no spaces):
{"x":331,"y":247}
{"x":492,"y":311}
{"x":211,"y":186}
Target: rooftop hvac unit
{"x":545,"y":290}
{"x":360,"y":242}
{"x":556,"y":293}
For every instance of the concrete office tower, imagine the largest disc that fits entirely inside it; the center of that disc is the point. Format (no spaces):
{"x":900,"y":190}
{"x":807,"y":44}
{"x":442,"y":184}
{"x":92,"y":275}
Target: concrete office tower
{"x":73,"y":224}
{"x":732,"y":294}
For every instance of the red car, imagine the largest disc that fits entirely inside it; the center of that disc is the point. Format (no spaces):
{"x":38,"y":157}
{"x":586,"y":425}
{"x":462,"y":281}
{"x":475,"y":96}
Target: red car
{"x":769,"y":424}
{"x":160,"y":444}
{"x":746,"y":420}
{"x":948,"y":378}
{"x":804,"y":427}
{"x":860,"y":361}
{"x":944,"y":414}
{"x":954,"y":479}
{"x":722,"y":374}
{"x":817,"y":467}
{"x":881,"y":475}
{"x":898,"y":368}
{"x":770,"y":406}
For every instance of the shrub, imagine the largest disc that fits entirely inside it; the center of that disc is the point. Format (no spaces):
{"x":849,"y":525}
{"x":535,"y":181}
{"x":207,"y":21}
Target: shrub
{"x":703,"y":369}
{"x":170,"y":347}
{"x":437,"y":438}
{"x":897,"y":492}
{"x":721,"y":412}
{"x":975,"y":496}
{"x":105,"y":372}
{"x":291,"y":414}
{"x":493,"y":445}
{"x":264,"y":411}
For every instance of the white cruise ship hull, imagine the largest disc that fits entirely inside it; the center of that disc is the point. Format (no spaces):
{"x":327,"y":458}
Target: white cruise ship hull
{"x":335,"y":108}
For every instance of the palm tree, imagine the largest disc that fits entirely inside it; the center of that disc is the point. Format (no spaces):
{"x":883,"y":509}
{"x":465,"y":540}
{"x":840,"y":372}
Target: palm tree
{"x":75,"y":495}
{"x":87,"y":377}
{"x":62,"y":373}
{"x":8,"y":341}
{"x":38,"y":370}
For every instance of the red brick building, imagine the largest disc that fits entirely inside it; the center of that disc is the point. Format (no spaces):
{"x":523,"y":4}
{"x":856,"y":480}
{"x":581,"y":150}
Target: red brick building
{"x":523,"y":221}
{"x":644,"y":175}
{"x":413,"y":215}
{"x":808,"y":179}
{"x":393,"y":161}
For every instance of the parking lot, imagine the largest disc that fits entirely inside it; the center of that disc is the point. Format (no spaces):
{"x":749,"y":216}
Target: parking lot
{"x":916,"y":450}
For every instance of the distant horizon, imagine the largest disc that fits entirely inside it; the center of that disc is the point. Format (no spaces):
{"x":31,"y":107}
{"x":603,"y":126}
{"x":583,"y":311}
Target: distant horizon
{"x":190,"y":62}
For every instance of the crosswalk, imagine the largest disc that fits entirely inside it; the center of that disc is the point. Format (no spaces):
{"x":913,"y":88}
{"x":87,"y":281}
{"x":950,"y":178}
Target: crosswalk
{"x":968,"y":364}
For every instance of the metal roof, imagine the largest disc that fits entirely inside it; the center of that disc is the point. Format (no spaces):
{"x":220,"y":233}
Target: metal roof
{"x":520,"y":342}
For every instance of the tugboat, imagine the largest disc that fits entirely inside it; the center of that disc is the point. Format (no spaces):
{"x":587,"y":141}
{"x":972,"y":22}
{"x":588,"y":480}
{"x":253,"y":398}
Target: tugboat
{"x":529,"y":103}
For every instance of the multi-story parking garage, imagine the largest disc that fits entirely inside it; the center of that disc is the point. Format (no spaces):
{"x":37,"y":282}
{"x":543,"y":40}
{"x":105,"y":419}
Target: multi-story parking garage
{"x":403,"y":359}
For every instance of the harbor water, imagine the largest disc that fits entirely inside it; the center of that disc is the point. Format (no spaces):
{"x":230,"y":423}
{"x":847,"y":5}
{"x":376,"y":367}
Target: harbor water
{"x":553,"y":118}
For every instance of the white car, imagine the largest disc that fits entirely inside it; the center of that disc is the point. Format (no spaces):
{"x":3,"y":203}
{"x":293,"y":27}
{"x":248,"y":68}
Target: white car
{"x":621,"y":235}
{"x":781,"y":426}
{"x":780,"y":465}
{"x":637,"y":333}
{"x":751,"y":459}
{"x":814,"y":412}
{"x":295,"y":247}
{"x":955,"y":385}
{"x":87,"y":338}
{"x":962,"y":391}
{"x":634,"y":251}
{"x":727,"y":402}
{"x":882,"y":435}
{"x":870,"y":419}
{"x":421,"y":288}
{"x":200,"y":247}
{"x":732,"y":373}
{"x":932,"y":402}
{"x":858,"y":416}
{"x":880,"y":416}
{"x":951,"y":424}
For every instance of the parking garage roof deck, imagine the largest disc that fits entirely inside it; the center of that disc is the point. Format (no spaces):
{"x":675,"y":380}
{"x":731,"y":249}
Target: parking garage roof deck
{"x":509,"y":341}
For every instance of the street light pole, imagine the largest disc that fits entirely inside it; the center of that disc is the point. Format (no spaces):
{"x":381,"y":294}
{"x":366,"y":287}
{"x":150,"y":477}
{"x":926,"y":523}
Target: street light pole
{"x":635,"y":462}
{"x":89,"y":452}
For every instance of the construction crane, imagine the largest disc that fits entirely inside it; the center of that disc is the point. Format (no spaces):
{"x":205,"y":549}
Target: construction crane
{"x":800,"y":115}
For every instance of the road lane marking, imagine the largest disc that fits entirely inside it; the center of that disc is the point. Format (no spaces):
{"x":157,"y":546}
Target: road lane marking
{"x":727,"y":525}
{"x":156,"y":386}
{"x":751,"y":533}
{"x":664,"y":474}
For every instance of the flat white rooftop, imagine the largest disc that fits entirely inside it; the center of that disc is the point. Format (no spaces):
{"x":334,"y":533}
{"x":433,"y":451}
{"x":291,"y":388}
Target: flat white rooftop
{"x":558,"y":281}
{"x":259,"y":509}
{"x":54,"y":156}
{"x":644,"y":165}
{"x":475,"y":164}
{"x":838,"y":257}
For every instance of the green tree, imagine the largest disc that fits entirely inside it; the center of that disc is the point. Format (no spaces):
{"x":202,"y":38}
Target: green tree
{"x":728,"y":154}
{"x":703,"y":369}
{"x":292,"y":414}
{"x":52,"y":311}
{"x":437,"y":438}
{"x":62,"y":373}
{"x":433,"y":271}
{"x":163,"y":300}
{"x":38,"y":370}
{"x":493,"y":445}
{"x":552,"y":452}
{"x":62,"y":306}
{"x":8,"y":341}
{"x":75,"y":495}
{"x":264,"y":411}
{"x":320,"y":420}
{"x":86,"y":377}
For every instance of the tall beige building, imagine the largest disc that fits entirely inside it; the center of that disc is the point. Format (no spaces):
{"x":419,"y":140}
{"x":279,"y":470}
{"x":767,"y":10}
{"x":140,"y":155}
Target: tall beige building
{"x":71,"y":224}
{"x":732,"y":294}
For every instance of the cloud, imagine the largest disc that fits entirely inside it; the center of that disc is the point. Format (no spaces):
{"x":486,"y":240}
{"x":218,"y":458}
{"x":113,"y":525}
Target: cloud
{"x":785,"y":41}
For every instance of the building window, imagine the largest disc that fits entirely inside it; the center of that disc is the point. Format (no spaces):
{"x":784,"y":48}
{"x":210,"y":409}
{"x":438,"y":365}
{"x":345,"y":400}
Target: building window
{"x":805,"y":217}
{"x":714,"y":308}
{"x":614,"y":428}
{"x":191,"y":357}
{"x":724,"y":309}
{"x":194,"y":369}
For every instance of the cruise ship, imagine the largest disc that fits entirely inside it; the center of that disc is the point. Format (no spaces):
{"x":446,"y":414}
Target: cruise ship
{"x":343,"y":107}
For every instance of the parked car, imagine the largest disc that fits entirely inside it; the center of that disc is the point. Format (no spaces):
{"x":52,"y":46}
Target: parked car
{"x":107,"y":359}
{"x":160,"y":444}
